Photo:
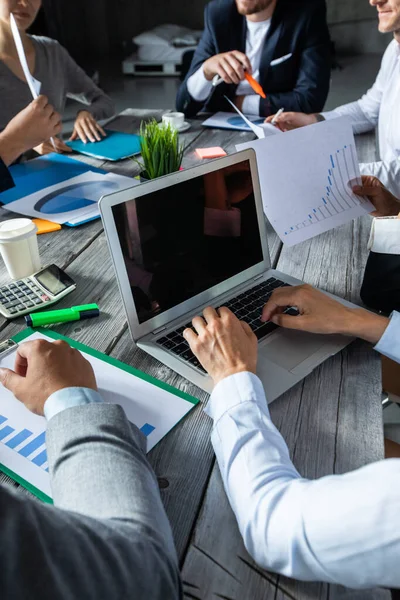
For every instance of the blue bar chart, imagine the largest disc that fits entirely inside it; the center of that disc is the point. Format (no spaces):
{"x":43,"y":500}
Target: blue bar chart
{"x":25,"y":443}
{"x":337,"y":197}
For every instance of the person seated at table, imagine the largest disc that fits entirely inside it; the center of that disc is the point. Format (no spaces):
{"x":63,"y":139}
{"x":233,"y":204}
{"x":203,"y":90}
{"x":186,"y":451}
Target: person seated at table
{"x":107,"y":535}
{"x":341,"y":529}
{"x":51,"y":65}
{"x":284,"y":45}
{"x":379,"y":107}
{"x":35,"y":123}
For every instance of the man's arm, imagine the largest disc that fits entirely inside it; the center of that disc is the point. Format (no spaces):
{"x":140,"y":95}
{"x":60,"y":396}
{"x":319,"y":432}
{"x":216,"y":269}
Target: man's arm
{"x":310,"y":530}
{"x":312,"y":85}
{"x":112,"y":539}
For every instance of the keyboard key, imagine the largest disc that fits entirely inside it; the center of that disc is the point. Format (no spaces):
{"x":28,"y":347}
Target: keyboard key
{"x":20,"y":307}
{"x":180,"y":349}
{"x":168,"y":345}
{"x":29,"y":304}
{"x":37,"y":301}
{"x":187,"y":355}
{"x":292,"y":311}
{"x":265,"y":330}
{"x":12,"y":311}
{"x":256,"y":324}
{"x":162,"y":340}
{"x":19,"y":294}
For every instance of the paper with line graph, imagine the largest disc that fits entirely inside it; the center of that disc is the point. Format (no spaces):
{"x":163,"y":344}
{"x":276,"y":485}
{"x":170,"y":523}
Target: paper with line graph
{"x":306,"y":179}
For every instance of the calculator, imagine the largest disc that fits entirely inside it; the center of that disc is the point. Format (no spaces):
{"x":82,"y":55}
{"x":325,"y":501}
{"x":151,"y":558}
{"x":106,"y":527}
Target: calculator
{"x":35,"y":292}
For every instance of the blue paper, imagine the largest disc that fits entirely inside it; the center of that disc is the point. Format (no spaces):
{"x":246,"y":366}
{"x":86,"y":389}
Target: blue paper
{"x":116,"y":146}
{"x":43,"y":172}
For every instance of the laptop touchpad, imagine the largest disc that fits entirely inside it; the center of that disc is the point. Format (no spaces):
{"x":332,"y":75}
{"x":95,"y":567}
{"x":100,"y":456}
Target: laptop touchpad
{"x":289,"y":349}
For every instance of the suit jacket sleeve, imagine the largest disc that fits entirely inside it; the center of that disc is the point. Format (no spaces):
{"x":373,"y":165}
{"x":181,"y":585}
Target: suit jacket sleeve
{"x":205,"y":50}
{"x":6,"y":181}
{"x":111,"y":540}
{"x":312,"y":86}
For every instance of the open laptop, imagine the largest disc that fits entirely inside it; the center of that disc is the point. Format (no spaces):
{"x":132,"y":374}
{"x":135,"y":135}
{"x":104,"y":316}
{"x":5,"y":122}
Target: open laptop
{"x":198,"y":238}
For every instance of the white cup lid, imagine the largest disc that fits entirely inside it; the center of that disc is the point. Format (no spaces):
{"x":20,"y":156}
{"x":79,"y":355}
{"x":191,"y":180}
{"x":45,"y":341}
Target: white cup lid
{"x":16,"y":229}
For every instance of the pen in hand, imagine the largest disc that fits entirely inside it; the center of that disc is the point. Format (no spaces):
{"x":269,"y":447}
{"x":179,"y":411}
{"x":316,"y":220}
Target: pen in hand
{"x":276,"y":117}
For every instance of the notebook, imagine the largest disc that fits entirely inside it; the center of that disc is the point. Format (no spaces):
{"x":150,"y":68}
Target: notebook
{"x":116,"y":146}
{"x":154,"y":406}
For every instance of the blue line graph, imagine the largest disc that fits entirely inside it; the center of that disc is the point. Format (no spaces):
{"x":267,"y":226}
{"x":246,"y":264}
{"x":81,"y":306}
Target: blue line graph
{"x":32,"y":446}
{"x":337,"y":196}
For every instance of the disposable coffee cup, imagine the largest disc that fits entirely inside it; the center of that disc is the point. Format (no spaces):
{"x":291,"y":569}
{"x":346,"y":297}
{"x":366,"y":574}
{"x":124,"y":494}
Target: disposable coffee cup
{"x":19,"y":247}
{"x":174,"y":119}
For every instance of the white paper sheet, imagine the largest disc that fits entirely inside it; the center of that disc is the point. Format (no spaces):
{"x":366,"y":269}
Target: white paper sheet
{"x":34,"y":84}
{"x":142,"y":402}
{"x":306,"y":178}
{"x":91,"y":186}
{"x":228,"y":120}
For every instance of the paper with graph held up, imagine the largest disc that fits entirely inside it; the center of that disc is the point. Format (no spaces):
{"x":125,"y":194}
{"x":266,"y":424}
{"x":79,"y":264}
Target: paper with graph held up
{"x":306,"y":178}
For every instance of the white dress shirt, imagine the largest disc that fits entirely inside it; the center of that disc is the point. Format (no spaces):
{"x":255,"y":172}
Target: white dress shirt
{"x":342,"y":529}
{"x":380,"y":107}
{"x":199,"y":88}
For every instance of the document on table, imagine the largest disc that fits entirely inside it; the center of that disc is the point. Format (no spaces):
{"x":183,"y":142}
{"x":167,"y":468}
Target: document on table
{"x":154,"y":407}
{"x":306,"y":179}
{"x":73,"y":201}
{"x":240,"y":122}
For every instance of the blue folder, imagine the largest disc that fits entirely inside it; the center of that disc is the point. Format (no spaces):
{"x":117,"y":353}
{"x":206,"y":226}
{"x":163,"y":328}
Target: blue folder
{"x":116,"y":146}
{"x":43,"y":172}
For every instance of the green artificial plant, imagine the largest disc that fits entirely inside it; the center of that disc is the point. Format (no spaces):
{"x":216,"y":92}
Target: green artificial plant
{"x":161,"y":152}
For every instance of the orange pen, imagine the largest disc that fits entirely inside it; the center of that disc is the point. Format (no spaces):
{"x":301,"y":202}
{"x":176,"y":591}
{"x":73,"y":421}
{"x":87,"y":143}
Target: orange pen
{"x":255,"y":85}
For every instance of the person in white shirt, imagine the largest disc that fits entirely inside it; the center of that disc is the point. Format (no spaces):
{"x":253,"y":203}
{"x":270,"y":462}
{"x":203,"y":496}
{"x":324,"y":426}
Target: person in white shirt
{"x":379,"y":107}
{"x":342,"y":529}
{"x":284,"y":44}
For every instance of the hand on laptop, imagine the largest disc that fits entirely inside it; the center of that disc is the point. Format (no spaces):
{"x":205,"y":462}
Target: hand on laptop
{"x":385,"y":203}
{"x":223,"y":344}
{"x":321,"y":314}
{"x":42,"y":368}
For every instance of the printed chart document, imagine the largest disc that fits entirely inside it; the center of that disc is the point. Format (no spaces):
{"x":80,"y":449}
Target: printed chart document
{"x":306,"y":179}
{"x":240,"y":122}
{"x":151,"y":405}
{"x":71,"y":202}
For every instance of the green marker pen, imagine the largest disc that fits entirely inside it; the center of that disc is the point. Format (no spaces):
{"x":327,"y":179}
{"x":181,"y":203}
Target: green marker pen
{"x":75,"y":313}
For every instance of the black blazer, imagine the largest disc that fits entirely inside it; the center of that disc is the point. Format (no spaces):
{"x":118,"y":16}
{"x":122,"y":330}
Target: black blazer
{"x":6,"y":180}
{"x":299,"y":84}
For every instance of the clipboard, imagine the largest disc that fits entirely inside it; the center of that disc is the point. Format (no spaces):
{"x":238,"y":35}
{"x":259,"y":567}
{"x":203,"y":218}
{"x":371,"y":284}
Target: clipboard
{"x":157,"y":408}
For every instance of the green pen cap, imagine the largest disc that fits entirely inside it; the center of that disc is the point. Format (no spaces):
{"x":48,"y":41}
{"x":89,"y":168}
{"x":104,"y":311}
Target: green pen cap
{"x":75,"y":313}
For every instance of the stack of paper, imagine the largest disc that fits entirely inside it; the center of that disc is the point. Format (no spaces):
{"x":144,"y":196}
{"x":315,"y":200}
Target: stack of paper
{"x":71,"y":202}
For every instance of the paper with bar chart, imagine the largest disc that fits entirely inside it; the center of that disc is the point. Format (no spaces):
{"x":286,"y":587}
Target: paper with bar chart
{"x":306,"y":179}
{"x":153,"y":407}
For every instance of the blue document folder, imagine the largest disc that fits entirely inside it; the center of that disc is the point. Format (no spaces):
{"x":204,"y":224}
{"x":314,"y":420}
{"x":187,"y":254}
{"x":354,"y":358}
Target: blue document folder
{"x":43,"y":172}
{"x":116,"y":146}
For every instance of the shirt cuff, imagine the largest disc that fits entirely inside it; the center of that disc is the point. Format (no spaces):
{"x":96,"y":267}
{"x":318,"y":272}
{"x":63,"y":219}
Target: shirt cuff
{"x":67,"y":398}
{"x":251,"y":105}
{"x":330,"y":115}
{"x":389,"y":344}
{"x":198,"y":86}
{"x":233,"y":390}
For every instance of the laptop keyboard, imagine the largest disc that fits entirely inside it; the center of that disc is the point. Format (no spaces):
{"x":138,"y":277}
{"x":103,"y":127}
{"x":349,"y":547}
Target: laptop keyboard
{"x":246,"y":306}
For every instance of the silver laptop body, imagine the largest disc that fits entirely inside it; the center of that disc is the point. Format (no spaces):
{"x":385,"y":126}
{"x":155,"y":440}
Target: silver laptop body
{"x":198,"y":238}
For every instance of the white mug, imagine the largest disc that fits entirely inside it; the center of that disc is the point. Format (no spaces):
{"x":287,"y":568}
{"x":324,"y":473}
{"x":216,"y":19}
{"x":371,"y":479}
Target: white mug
{"x":19,"y":247}
{"x":174,"y":119}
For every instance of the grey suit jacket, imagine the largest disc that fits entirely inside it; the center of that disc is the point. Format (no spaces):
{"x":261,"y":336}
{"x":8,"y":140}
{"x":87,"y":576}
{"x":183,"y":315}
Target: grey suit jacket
{"x":108,"y":536}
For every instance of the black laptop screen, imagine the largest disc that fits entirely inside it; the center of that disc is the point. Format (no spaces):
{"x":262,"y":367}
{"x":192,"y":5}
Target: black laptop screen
{"x":182,"y":240}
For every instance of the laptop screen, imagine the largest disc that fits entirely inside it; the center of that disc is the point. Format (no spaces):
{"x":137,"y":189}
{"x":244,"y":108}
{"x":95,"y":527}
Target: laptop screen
{"x":183,"y":239}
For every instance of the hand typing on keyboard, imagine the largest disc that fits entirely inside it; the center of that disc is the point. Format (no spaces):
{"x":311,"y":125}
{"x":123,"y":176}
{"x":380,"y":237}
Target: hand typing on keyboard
{"x":223,"y":344}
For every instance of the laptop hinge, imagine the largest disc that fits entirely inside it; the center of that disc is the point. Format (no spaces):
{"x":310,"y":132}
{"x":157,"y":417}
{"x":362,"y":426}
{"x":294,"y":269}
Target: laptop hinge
{"x":157,"y":331}
{"x":258,"y":277}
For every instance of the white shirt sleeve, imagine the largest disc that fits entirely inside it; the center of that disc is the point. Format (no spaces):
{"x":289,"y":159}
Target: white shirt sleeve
{"x":389,"y":344}
{"x":341,"y":529}
{"x":251,"y":105}
{"x":364,"y":114}
{"x":198,"y":86}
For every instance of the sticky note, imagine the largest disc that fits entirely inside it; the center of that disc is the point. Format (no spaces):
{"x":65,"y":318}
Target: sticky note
{"x":46,"y":226}
{"x":215,"y":152}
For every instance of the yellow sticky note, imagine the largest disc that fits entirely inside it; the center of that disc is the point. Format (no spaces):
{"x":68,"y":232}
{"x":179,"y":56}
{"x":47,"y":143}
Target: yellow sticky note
{"x":46,"y":226}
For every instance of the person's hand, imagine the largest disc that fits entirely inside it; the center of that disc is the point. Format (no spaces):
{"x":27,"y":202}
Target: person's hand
{"x":321,"y":314}
{"x":36,"y":123}
{"x":223,"y":344}
{"x":230,"y":66}
{"x":47,"y":147}
{"x":42,"y":368}
{"x":292,"y":120}
{"x":87,"y":128}
{"x":385,"y":203}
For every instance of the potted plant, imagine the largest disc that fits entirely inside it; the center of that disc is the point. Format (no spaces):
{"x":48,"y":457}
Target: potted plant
{"x":161,"y":152}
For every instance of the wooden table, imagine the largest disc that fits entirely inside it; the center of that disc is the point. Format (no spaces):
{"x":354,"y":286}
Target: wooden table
{"x":332,"y":420}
